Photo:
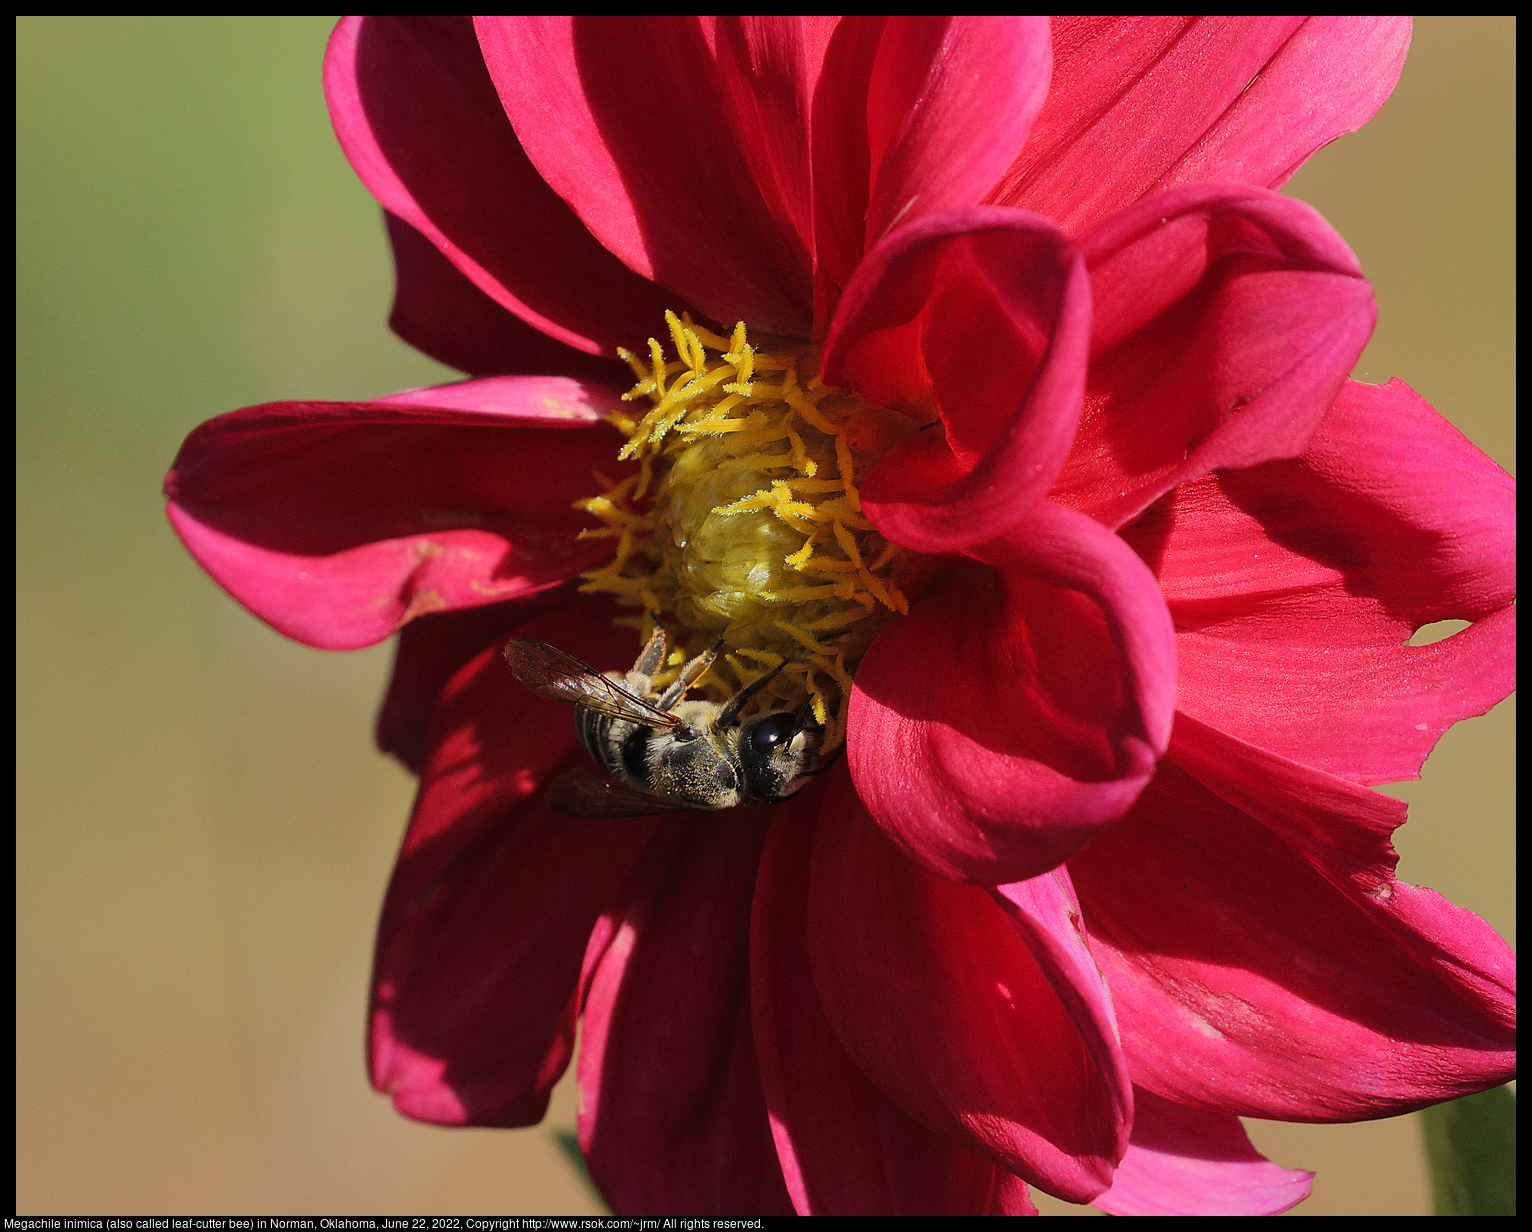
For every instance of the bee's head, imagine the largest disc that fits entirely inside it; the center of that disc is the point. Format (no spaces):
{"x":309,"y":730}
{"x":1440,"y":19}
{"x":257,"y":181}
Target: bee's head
{"x":778,"y":752}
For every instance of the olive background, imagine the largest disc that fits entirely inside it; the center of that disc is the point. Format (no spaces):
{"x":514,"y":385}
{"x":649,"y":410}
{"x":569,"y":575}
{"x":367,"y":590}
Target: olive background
{"x":204,"y":829}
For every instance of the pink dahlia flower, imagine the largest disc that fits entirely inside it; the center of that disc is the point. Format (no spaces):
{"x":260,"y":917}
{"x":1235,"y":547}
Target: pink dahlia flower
{"x":1019,"y":406}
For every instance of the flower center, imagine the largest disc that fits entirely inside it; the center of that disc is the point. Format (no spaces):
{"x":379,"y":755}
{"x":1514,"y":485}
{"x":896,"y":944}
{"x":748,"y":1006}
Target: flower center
{"x":743,"y":522}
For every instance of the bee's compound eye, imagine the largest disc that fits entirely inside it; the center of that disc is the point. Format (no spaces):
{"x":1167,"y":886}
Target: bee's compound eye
{"x":772,"y":731}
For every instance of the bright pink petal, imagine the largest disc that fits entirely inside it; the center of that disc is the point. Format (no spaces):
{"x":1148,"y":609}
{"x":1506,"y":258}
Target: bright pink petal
{"x":980,"y":317}
{"x":1295,"y":588}
{"x":914,"y":115}
{"x":950,"y":103}
{"x":1016,"y":711}
{"x":845,"y":1147}
{"x":417,"y":117}
{"x":1264,"y":961}
{"x":339,"y":522}
{"x":942,"y":1005}
{"x":1184,"y":1161}
{"x":628,"y":120}
{"x":672,"y":1120}
{"x":1140,"y":104}
{"x":1226,"y":319}
{"x":493,"y":899}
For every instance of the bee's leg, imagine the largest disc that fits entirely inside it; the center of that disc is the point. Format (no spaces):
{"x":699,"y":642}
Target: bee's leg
{"x":649,"y":660}
{"x":689,"y":673}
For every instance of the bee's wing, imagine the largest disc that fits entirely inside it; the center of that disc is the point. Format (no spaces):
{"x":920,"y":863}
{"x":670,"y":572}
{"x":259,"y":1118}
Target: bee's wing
{"x":578,"y":793}
{"x":549,"y":672}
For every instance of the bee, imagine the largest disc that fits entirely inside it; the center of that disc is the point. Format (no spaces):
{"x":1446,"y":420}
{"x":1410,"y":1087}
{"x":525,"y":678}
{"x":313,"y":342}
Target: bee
{"x":665,"y":753}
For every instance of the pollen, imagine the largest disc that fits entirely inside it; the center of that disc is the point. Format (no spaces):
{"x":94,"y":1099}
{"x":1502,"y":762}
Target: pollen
{"x":743,"y":524}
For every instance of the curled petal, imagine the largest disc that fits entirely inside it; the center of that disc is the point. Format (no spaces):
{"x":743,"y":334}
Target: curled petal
{"x":417,"y":117}
{"x":939,"y":1002}
{"x":1264,"y":961}
{"x":656,"y":167}
{"x":1183,"y":1161}
{"x":915,"y":115}
{"x":980,"y":317}
{"x":1295,"y":587}
{"x":672,"y":1120}
{"x":1141,"y":104}
{"x":338,"y":522}
{"x":1014,"y":713}
{"x":1226,"y":320}
{"x":950,"y":102}
{"x":492,"y":900}
{"x":846,"y":1148}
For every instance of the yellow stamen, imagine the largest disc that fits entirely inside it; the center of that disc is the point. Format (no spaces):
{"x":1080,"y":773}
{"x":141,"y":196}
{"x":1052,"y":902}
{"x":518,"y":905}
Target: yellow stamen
{"x":743,"y":521}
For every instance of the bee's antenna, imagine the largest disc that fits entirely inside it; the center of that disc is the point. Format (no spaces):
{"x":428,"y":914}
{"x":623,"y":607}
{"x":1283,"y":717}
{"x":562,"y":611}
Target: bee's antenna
{"x":729,"y":715}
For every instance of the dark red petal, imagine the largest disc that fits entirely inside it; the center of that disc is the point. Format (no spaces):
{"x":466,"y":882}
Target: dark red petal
{"x":439,"y":311}
{"x":845,"y":1147}
{"x":1139,"y":104}
{"x":1016,"y":711}
{"x":672,"y":1120}
{"x":938,"y":1000}
{"x":339,"y":522}
{"x":493,"y":898}
{"x":1264,"y":961}
{"x":1226,"y":319}
{"x":1295,"y":588}
{"x":430,"y":651}
{"x":1184,"y":1161}
{"x":628,"y":119}
{"x":417,"y":116}
{"x":980,"y":317}
{"x":842,"y":160}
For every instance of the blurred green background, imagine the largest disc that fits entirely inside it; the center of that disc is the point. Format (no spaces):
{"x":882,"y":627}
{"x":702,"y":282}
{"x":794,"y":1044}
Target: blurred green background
{"x":204,"y":828}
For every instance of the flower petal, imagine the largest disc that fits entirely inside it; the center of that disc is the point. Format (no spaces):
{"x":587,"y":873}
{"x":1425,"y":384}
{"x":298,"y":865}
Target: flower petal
{"x":1295,"y":588}
{"x":845,"y":1147}
{"x":939,"y":1002}
{"x":492,"y":900}
{"x":980,"y":316}
{"x":439,"y":311}
{"x":1226,"y":319}
{"x":430,"y":650}
{"x":417,"y":117}
{"x":672,"y":1120}
{"x":915,"y":115}
{"x":950,"y":102}
{"x":1012,"y":714}
{"x":629,"y":120}
{"x":339,"y":522}
{"x":1184,"y":1161}
{"x":1140,"y":104}
{"x":1264,"y":961}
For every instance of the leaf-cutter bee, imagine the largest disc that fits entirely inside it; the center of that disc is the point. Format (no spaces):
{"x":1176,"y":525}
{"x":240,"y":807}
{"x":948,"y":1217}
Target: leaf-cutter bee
{"x":667,"y":754}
